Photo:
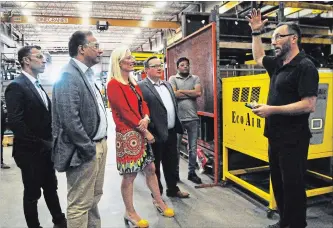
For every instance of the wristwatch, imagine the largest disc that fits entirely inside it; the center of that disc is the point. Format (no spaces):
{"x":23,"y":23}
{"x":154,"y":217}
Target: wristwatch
{"x":256,"y":33}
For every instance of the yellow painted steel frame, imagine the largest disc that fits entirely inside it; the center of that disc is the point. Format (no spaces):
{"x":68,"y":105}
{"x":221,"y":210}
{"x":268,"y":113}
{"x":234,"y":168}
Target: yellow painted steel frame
{"x":243,"y":131}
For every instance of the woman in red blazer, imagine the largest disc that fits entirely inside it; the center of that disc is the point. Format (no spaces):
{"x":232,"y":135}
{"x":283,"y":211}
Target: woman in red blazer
{"x":131,"y":116}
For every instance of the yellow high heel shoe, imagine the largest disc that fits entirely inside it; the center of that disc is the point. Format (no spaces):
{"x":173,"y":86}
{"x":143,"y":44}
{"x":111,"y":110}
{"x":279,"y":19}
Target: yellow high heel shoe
{"x":168,"y":212}
{"x":142,"y":223}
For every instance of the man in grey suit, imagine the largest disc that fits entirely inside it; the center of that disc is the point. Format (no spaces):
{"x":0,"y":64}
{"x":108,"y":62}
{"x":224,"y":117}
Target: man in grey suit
{"x":79,"y":131}
{"x":164,"y":125}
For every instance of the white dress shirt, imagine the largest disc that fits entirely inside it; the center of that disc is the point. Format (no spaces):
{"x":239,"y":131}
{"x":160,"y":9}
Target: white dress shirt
{"x":103,"y":125}
{"x":42,"y":94}
{"x":166,"y":97}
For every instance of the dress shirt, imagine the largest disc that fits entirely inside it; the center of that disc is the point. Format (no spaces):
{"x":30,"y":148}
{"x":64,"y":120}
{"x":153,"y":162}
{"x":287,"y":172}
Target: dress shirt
{"x":103,"y":125}
{"x":35,"y":82}
{"x":165,"y":95}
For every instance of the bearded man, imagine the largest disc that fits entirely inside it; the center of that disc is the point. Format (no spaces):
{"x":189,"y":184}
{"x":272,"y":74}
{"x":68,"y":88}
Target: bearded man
{"x":292,"y":97}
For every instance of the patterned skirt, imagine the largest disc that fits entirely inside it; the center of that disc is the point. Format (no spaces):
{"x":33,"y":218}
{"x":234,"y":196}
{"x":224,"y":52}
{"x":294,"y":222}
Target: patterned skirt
{"x":133,"y":151}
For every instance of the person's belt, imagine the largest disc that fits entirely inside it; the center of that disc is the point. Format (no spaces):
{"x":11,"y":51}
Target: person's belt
{"x":100,"y":140}
{"x":172,"y":129}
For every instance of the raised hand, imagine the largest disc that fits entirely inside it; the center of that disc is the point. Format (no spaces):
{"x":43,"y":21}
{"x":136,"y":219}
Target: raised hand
{"x":255,"y":21}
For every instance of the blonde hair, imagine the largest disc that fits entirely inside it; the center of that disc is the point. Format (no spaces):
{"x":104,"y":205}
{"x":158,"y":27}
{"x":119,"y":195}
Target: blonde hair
{"x":114,"y":66}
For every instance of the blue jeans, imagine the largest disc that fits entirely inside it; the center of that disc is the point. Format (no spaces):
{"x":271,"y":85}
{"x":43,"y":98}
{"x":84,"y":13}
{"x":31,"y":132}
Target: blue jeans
{"x":191,"y":128}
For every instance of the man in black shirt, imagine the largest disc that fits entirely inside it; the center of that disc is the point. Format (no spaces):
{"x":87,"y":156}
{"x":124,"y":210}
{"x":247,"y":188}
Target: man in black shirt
{"x":292,"y":97}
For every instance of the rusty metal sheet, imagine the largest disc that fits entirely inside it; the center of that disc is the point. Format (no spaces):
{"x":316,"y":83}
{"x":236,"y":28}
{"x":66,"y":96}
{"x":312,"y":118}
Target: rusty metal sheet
{"x":198,"y":49}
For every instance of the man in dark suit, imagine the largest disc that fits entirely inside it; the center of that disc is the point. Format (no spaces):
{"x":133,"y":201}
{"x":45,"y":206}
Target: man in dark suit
{"x":79,"y":129}
{"x":164,"y":125}
{"x":29,"y":117}
{"x":3,"y":128}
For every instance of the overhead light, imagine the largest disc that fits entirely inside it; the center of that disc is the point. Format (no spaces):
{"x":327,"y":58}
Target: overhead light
{"x":148,"y":17}
{"x":147,"y":11}
{"x":203,"y":22}
{"x":31,"y":19}
{"x":128,"y":41}
{"x":85,"y":21}
{"x":160,"y":4}
{"x":137,"y":31}
{"x":144,"y":23}
{"x":85,"y":14}
{"x":26,"y":12}
{"x":84,"y":7}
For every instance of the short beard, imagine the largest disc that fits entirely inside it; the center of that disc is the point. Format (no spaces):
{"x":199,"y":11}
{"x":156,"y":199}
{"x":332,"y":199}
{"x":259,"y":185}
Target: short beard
{"x":285,"y":50}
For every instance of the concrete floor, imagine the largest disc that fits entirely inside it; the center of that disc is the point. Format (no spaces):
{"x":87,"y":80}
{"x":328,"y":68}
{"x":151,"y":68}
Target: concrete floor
{"x":208,"y":207}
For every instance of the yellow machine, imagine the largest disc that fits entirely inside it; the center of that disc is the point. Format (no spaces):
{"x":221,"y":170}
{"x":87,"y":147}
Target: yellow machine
{"x":243,"y":131}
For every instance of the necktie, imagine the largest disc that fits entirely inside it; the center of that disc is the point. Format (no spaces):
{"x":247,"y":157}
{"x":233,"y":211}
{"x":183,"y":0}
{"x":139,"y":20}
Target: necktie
{"x":41,"y":93}
{"x":38,"y":84}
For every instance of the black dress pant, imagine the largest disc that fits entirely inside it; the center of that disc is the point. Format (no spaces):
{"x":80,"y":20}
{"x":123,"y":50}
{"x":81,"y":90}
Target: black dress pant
{"x":287,"y":160}
{"x":36,"y":174}
{"x":166,"y":152}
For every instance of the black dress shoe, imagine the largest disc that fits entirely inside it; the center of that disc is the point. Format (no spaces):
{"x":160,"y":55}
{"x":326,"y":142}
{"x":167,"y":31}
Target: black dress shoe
{"x":179,"y":194}
{"x":194,"y":178}
{"x":62,"y":224}
{"x":4,"y":166}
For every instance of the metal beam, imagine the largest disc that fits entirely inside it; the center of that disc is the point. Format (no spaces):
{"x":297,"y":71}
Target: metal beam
{"x":93,"y":21}
{"x":240,"y":45}
{"x":307,"y":31}
{"x":281,"y":16}
{"x":303,"y":5}
{"x":307,"y":40}
{"x":287,"y":12}
{"x":228,"y":6}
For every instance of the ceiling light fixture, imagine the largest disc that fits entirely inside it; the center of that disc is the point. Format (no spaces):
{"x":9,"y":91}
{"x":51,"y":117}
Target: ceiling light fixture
{"x":26,"y":12}
{"x":160,"y":4}
{"x":137,"y":31}
{"x":85,"y":15}
{"x":85,"y":21}
{"x":144,"y":23}
{"x":31,"y":20}
{"x":147,"y":11}
{"x":84,"y":7}
{"x":148,"y":17}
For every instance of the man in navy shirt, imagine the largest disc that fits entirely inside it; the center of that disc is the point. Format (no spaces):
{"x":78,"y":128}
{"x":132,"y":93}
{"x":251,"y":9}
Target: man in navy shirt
{"x":292,"y":97}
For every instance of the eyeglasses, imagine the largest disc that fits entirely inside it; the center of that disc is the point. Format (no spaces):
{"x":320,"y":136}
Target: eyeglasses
{"x":156,"y":66}
{"x":39,"y":56}
{"x":94,"y":45}
{"x":278,"y":37}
